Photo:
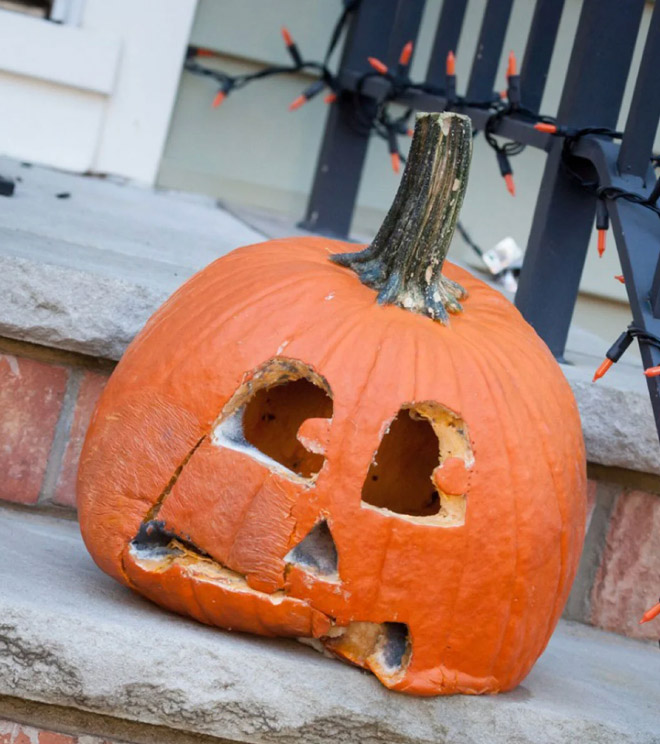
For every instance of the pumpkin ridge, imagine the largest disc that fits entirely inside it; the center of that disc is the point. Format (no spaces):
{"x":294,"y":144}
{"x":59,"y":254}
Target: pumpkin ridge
{"x":340,"y":330}
{"x":216,"y":279}
{"x":508,"y":628}
{"x":495,"y":353}
{"x":448,"y":349}
{"x":225,"y":316}
{"x":535,"y":414}
{"x":475,"y":359}
{"x":228,"y":316}
{"x":562,"y":508}
{"x":333,"y":351}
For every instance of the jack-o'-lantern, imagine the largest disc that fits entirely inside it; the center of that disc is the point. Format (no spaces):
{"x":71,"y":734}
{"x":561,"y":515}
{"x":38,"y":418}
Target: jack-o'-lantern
{"x":351,"y":448}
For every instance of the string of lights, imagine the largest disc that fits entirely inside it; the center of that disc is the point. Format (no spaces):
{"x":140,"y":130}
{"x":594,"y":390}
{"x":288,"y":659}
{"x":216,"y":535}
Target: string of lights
{"x":381,"y":120}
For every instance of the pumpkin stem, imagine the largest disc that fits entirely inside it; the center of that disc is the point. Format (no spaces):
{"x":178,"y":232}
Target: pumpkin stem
{"x":404,"y":262}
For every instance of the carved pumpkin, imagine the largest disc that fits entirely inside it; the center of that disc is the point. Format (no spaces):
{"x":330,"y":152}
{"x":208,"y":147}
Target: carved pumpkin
{"x":300,"y":444}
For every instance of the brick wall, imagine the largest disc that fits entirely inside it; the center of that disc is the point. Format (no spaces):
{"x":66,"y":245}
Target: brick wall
{"x":46,"y":402}
{"x":17,"y":733}
{"x":47,"y":399}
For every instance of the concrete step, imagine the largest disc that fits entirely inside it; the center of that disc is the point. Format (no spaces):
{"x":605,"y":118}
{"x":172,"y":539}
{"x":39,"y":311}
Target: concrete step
{"x":85,"y":272}
{"x":71,"y":636}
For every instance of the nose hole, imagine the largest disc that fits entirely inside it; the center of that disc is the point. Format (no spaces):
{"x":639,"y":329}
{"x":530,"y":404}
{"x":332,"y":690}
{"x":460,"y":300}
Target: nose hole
{"x":316,"y":552}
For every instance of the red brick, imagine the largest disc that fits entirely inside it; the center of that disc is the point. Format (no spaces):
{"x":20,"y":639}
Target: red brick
{"x":48,"y":737}
{"x":628,"y":579}
{"x":91,"y":388}
{"x":8,"y":731}
{"x":17,"y":733}
{"x":31,"y":395}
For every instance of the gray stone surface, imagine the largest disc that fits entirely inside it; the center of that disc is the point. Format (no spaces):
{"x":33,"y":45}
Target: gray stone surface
{"x":71,"y":636}
{"x":617,"y":420}
{"x":85,"y":273}
{"x":74,"y":310}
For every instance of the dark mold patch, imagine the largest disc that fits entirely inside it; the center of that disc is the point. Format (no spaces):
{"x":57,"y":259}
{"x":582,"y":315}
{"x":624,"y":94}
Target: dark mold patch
{"x":396,"y":644}
{"x":316,"y":552}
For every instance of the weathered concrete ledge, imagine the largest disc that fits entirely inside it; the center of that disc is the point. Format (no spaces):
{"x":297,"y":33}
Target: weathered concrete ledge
{"x":98,"y":313}
{"x":70,"y":636}
{"x":617,"y":420}
{"x":84,"y":273}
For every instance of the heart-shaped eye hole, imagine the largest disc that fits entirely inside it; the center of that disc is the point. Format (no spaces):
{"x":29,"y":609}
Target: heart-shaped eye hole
{"x":422,"y":466}
{"x":281,"y":415}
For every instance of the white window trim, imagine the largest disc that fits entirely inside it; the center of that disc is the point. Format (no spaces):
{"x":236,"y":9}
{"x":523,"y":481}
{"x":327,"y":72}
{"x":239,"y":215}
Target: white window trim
{"x":69,"y":12}
{"x":58,"y":53}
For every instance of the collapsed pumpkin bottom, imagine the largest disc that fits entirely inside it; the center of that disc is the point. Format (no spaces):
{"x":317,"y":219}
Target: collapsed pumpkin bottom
{"x":398,"y":493}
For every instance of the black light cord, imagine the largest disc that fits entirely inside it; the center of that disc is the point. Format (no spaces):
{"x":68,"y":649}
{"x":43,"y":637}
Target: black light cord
{"x":228,"y":83}
{"x":610,"y":193}
{"x":616,"y":351}
{"x":377,"y":119}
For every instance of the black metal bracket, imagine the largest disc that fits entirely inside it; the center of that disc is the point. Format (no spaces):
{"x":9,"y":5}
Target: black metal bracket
{"x":6,"y":186}
{"x":637,"y":235}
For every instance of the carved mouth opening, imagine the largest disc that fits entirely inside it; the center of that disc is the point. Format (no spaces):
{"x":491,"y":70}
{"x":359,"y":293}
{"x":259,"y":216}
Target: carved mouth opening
{"x":384,"y":648}
{"x":157,"y":549}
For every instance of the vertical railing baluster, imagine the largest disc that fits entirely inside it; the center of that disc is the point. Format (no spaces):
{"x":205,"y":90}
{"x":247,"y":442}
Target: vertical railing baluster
{"x":407,"y":19}
{"x":644,"y":112}
{"x":556,"y":251}
{"x":489,"y":50}
{"x":446,"y":39}
{"x":538,"y":51}
{"x":379,"y":28}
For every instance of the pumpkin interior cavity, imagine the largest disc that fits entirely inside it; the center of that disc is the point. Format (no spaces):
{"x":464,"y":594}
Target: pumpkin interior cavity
{"x":273,"y":416}
{"x":265,"y":414}
{"x":403,"y":477}
{"x":316,"y":553}
{"x":385,"y":648}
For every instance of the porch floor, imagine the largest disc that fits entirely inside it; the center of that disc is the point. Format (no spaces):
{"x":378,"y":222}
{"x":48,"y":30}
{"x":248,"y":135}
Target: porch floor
{"x":71,"y":636}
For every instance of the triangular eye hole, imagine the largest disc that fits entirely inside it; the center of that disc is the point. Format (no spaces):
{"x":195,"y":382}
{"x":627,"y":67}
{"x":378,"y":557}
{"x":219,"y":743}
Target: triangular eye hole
{"x":316,"y":552}
{"x":422,"y":466}
{"x":264,"y":418}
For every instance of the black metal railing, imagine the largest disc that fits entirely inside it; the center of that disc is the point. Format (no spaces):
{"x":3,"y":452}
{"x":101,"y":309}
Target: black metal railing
{"x":592,"y":95}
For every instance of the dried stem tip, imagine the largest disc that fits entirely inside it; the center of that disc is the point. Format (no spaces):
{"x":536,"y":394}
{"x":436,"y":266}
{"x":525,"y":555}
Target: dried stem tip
{"x":404,"y":262}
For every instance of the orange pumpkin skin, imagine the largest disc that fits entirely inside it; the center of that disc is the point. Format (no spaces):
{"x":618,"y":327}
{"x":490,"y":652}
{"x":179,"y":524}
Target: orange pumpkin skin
{"x":480,"y":599}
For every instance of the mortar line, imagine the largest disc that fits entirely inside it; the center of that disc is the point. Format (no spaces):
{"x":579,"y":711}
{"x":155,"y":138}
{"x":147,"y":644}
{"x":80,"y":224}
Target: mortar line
{"x":60,"y":437}
{"x":578,"y":606}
